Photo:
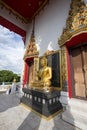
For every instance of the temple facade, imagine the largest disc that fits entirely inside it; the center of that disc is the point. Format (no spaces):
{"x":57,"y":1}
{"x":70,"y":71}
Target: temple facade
{"x":59,"y":30}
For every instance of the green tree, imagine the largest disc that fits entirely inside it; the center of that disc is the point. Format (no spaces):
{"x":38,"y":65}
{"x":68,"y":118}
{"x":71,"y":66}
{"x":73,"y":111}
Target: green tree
{"x":8,"y":76}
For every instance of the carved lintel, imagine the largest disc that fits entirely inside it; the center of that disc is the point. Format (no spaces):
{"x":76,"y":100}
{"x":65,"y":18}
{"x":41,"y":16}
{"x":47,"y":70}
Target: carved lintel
{"x":31,"y":50}
{"x":76,"y":22}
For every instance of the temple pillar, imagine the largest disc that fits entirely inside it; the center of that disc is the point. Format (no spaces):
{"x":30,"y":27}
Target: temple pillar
{"x":25,"y":76}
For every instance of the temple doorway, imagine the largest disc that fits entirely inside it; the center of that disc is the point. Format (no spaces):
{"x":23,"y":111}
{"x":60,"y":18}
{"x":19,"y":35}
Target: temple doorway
{"x":31,"y":70}
{"x":78,"y":60}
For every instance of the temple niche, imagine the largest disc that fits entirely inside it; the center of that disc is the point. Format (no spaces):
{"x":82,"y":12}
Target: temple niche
{"x":43,"y":72}
{"x":43,"y":80}
{"x":30,"y":58}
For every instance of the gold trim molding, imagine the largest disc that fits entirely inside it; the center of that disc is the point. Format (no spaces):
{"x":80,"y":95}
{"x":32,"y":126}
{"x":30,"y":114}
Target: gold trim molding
{"x":4,"y":5}
{"x":25,"y":20}
{"x":63,"y":64}
{"x":76,"y":22}
{"x":41,"y":7}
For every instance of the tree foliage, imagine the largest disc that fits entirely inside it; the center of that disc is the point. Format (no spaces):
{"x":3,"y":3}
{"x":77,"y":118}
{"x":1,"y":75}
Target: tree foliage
{"x":8,"y":76}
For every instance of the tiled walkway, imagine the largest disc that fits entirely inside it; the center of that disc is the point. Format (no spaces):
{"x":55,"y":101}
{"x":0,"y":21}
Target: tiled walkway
{"x":14,"y":116}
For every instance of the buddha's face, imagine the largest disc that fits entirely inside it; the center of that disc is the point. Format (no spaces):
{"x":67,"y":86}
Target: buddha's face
{"x":43,"y":62}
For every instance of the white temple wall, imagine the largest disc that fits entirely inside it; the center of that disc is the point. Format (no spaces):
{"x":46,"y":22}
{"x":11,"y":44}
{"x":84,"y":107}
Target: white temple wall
{"x":49,"y":24}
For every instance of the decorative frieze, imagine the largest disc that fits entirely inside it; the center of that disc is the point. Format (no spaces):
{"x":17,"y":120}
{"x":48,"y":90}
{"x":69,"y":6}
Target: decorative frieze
{"x":31,"y":50}
{"x":40,"y":100}
{"x":45,"y":103}
{"x":63,"y":64}
{"x":76,"y":22}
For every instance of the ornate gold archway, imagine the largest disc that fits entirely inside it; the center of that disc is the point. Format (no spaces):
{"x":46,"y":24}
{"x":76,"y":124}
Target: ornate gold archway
{"x":74,"y":33}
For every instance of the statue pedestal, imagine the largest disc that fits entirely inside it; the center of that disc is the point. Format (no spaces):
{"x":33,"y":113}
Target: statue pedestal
{"x":45,"y":103}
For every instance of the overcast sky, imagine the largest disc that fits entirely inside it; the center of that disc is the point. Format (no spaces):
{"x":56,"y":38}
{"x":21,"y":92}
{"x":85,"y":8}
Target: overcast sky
{"x":11,"y":51}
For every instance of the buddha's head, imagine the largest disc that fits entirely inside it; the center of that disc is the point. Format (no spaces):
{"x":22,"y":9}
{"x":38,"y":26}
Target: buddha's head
{"x":43,"y":61}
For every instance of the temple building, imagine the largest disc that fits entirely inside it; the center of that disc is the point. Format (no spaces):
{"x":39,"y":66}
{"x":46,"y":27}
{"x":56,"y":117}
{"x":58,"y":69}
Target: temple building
{"x":55,"y":30}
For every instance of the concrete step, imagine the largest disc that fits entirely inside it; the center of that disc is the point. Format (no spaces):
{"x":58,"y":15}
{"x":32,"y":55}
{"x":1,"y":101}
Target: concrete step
{"x":77,"y":102}
{"x":78,"y":110}
{"x":79,"y":105}
{"x":64,"y":98}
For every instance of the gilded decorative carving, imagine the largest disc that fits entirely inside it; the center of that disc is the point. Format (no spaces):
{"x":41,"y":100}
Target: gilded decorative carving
{"x":31,"y":50}
{"x":25,"y":20}
{"x":36,"y":68}
{"x":63,"y":65}
{"x":76,"y":22}
{"x":16,"y":14}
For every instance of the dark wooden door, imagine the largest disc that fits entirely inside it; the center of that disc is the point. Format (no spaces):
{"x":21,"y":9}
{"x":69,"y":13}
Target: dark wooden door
{"x":85,"y":67}
{"x":31,"y":71}
{"x":79,"y":70}
{"x":54,"y":63}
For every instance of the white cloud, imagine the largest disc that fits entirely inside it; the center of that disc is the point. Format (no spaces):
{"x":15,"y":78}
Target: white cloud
{"x":11,"y":51}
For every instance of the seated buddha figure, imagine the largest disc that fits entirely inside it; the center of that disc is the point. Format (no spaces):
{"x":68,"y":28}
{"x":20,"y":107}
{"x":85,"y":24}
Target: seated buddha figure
{"x":44,"y":74}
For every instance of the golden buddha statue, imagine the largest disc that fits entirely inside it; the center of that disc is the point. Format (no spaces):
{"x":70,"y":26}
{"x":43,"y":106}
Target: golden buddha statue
{"x":14,"y":80}
{"x":44,"y":75}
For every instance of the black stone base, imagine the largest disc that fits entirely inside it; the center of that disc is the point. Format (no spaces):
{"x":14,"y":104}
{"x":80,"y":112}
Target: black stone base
{"x":46,"y":103}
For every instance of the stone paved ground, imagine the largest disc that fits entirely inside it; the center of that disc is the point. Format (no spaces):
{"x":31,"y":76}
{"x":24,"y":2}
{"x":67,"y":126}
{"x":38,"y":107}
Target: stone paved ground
{"x":14,"y":116}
